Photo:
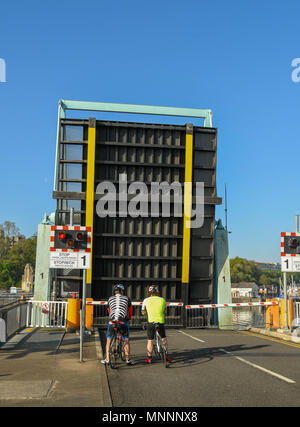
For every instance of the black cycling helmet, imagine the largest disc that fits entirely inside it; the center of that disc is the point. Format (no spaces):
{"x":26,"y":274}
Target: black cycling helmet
{"x":153,"y":289}
{"x":119,"y":287}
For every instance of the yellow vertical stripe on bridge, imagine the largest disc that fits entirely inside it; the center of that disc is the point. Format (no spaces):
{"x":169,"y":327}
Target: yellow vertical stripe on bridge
{"x":187,"y":204}
{"x":90,"y":187}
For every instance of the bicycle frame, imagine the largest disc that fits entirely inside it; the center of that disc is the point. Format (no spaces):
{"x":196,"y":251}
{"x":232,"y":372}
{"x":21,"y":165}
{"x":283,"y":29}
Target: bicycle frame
{"x":116,"y":347}
{"x":159,"y":346}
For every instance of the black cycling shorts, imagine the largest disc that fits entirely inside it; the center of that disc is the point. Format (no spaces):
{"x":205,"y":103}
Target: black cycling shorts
{"x":151,"y":331}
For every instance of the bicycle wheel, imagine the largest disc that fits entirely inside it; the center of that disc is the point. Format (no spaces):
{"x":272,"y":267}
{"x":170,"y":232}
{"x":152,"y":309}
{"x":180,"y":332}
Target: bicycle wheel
{"x":156,"y":348}
{"x":122,"y":350}
{"x":113,"y":352}
{"x":163,"y":352}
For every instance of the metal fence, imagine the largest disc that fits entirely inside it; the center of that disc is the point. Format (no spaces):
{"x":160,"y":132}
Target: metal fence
{"x":249,"y":317}
{"x":11,"y":298}
{"x":296,"y":314}
{"x":178,"y":315}
{"x":174,"y":315}
{"x":50,"y":314}
{"x":12,"y":319}
{"x":8,"y":300}
{"x":197,"y":317}
{"x":243,"y":315}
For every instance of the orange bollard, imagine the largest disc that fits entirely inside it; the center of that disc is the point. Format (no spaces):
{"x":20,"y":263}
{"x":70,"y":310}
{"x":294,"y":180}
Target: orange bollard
{"x":89,"y":314}
{"x":272,"y":315}
{"x":73,"y":314}
{"x":290,"y":310}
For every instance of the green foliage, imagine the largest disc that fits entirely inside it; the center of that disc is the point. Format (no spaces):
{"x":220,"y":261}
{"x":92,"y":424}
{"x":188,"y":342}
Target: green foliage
{"x":14,"y":256}
{"x":243,"y":270}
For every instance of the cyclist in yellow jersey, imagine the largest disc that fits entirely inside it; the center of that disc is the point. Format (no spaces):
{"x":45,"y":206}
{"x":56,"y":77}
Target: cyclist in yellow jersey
{"x":155,"y":306}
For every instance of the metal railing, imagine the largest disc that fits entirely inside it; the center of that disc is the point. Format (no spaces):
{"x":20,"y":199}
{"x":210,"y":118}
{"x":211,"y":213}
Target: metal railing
{"x":6,"y":298}
{"x":50,"y":314}
{"x":12,"y":319}
{"x":249,"y":317}
{"x":296,"y":314}
{"x":53,"y":314}
{"x":173,"y":316}
{"x":197,"y":317}
{"x":244,"y":315}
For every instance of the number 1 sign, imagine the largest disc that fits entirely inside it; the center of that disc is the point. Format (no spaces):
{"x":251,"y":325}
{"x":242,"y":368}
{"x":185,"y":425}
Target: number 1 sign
{"x":286,"y":264}
{"x":84,"y":261}
{"x":290,"y":264}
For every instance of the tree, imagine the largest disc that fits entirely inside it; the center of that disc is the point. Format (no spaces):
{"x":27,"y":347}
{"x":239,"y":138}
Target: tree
{"x":9,"y":234}
{"x":243,"y":270}
{"x":14,"y":255}
{"x":4,"y":246}
{"x":264,"y":280}
{"x":5,"y":278}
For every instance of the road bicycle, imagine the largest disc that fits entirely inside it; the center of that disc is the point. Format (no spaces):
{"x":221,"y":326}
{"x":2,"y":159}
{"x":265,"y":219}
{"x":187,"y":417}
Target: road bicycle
{"x":116,"y":346}
{"x":159,"y":346}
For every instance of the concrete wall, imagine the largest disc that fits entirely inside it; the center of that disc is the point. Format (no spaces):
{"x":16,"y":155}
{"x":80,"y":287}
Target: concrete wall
{"x":222,"y":282}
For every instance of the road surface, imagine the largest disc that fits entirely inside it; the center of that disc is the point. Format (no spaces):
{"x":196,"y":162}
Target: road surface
{"x":211,"y":368}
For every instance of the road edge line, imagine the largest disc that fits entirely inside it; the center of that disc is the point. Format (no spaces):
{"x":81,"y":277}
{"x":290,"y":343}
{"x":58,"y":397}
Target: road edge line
{"x":99,"y":353}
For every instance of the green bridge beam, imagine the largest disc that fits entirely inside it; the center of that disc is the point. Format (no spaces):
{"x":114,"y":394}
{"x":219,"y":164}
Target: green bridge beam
{"x":64,"y":105}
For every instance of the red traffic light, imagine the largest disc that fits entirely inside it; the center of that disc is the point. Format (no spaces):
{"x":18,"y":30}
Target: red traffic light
{"x":293,"y":242}
{"x":67,"y":239}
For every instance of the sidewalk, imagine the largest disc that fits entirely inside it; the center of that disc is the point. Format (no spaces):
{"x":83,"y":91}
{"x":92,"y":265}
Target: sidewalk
{"x":281,"y":334}
{"x":41,"y":368}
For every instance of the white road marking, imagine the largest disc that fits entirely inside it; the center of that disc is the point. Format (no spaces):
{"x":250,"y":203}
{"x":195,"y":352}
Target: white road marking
{"x":274,"y":374}
{"x":267,"y":371}
{"x":194,"y":338}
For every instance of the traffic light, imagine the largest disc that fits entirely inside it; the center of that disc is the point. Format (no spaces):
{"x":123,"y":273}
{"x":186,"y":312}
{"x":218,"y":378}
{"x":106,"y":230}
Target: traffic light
{"x":291,"y":244}
{"x":70,"y":239}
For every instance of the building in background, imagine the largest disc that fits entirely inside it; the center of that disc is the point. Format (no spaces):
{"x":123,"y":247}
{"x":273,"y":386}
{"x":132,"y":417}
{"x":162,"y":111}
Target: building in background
{"x":27,"y":278}
{"x":242,"y":290}
{"x":269,"y":265}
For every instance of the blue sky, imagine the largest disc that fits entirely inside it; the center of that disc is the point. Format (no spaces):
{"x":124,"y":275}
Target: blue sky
{"x":232,"y":57}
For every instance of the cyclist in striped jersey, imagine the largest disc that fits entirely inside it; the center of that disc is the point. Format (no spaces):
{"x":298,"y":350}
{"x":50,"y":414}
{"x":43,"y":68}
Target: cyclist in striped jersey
{"x":120,"y":309}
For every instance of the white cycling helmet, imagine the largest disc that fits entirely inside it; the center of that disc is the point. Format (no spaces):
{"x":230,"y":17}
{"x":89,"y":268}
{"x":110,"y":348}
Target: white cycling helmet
{"x":153,"y":288}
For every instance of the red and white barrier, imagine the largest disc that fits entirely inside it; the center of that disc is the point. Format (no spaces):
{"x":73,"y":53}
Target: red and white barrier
{"x":168,"y":304}
{"x":136,"y":303}
{"x":242,"y":304}
{"x":96,"y":302}
{"x":180,"y":304}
